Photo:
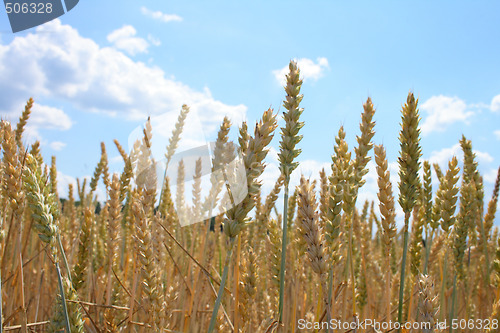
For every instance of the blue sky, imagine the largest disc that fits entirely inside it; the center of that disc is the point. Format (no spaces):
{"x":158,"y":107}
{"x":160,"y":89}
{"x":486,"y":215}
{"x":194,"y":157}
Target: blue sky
{"x":100,"y":70}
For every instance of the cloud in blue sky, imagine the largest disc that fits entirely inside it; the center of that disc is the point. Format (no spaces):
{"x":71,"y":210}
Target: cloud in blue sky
{"x":444,"y":155}
{"x":495,"y":104}
{"x":44,"y":117}
{"x":125,"y":39}
{"x":441,"y":111}
{"x":114,"y":78}
{"x":63,"y":181}
{"x":153,"y":40}
{"x":49,"y":117}
{"x":158,"y":15}
{"x":309,"y":69}
{"x":491,"y":175}
{"x":58,"y":63}
{"x":57,"y":145}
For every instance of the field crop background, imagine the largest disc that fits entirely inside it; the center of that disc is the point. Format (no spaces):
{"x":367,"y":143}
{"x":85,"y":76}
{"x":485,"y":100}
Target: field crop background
{"x":298,"y":215}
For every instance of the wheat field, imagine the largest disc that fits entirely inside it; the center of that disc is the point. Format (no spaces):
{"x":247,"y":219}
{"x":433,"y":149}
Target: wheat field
{"x":320,"y":261}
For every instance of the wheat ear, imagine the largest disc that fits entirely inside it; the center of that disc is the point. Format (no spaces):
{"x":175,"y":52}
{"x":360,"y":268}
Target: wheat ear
{"x":288,"y":153}
{"x":236,"y":217}
{"x":489,"y":217}
{"x":409,"y":166}
{"x":388,"y":213}
{"x":427,"y":307}
{"x":333,"y":225}
{"x":41,"y":202}
{"x":447,"y":198}
{"x":312,"y":235}
{"x":427,"y":207}
{"x":173,"y":142}
{"x":22,"y":123}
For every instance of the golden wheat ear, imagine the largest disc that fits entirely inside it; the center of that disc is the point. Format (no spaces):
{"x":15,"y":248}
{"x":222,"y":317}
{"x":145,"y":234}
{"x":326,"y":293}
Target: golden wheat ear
{"x":388,"y":217}
{"x":312,"y":235}
{"x":288,"y":153}
{"x":364,"y":142}
{"x":23,"y":120}
{"x":409,"y":182}
{"x":427,"y":304}
{"x":236,"y":217}
{"x":45,"y":211}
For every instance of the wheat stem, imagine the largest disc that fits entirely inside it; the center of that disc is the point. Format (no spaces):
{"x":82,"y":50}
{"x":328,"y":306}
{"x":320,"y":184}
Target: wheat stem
{"x":403,"y":269}
{"x":220,"y":293}
{"x":288,"y":152}
{"x":1,"y":314}
{"x":63,"y":254}
{"x":409,"y":183}
{"x":443,"y":284}
{"x":283,"y":249}
{"x":236,"y":319}
{"x":428,"y":246}
{"x":453,"y":301}
{"x":63,"y":298}
{"x":486,"y":252}
{"x":350,"y":267}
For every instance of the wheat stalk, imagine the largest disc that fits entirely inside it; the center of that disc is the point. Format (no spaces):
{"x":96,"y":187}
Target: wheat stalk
{"x":388,"y":213}
{"x":236,"y":217}
{"x":409,"y":165}
{"x":21,"y":125}
{"x":312,"y":234}
{"x":288,"y":153}
{"x":169,"y":283}
{"x":41,"y":203}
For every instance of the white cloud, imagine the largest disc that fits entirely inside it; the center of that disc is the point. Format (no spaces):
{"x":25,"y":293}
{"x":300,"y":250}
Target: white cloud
{"x":269,"y":177}
{"x":443,"y":111}
{"x":62,"y":65}
{"x":63,"y":181}
{"x":308,"y":168}
{"x":495,"y":104}
{"x":309,"y":69}
{"x":158,"y":15}
{"x":443,"y":156}
{"x":491,"y":176}
{"x":311,"y":168}
{"x":483,"y":156}
{"x":153,"y":40}
{"x":43,"y":116}
{"x":370,"y":189}
{"x":57,"y":145}
{"x":124,"y":39}
{"x":497,"y":134}
{"x":118,"y":159}
{"x":197,"y":131}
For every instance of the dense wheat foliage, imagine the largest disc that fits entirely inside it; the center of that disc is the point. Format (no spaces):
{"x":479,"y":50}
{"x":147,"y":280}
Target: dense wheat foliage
{"x":125,"y":264}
